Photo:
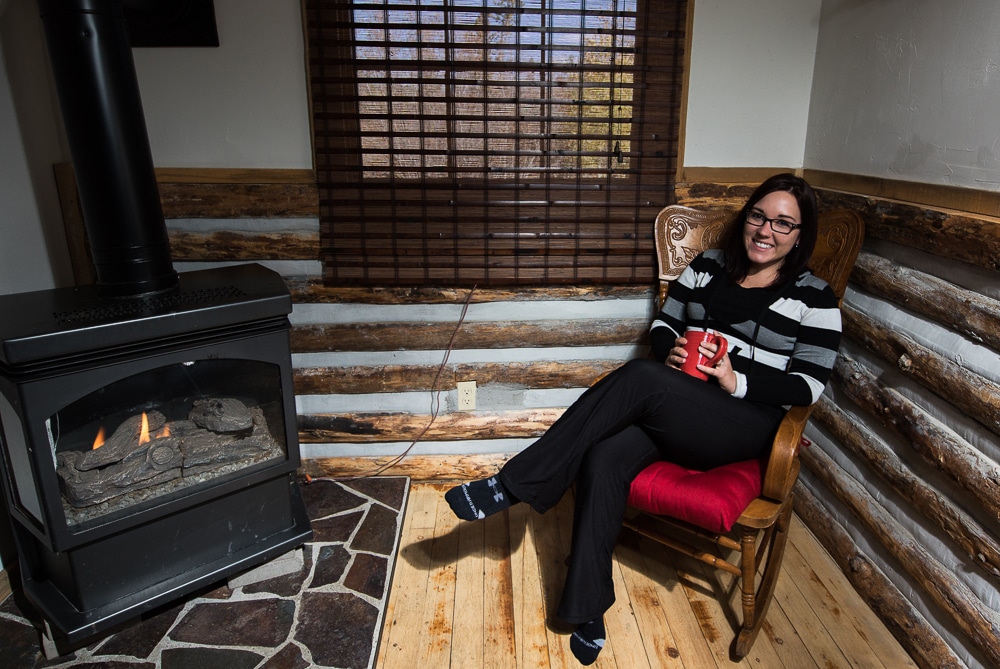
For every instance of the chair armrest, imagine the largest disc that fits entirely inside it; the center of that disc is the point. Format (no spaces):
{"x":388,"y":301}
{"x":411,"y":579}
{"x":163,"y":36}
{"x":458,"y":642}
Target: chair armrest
{"x":782,"y":465}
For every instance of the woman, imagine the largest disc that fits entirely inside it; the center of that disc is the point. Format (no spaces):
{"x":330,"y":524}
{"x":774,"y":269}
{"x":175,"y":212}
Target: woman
{"x":782,"y":326}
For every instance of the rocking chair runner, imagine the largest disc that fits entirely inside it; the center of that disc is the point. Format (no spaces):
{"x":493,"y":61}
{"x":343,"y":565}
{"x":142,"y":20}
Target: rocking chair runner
{"x":754,"y":496}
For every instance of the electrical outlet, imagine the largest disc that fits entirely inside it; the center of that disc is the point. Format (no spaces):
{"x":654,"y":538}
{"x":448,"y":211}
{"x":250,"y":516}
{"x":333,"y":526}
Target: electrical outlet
{"x":466,"y":395}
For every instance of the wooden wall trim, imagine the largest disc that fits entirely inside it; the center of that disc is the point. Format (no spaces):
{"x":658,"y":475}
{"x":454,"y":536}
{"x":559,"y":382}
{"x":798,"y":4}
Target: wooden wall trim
{"x":729,"y":175}
{"x":903,"y":621}
{"x":227,"y":175}
{"x":952,"y":198}
{"x":981,"y":202}
{"x":975,"y":241}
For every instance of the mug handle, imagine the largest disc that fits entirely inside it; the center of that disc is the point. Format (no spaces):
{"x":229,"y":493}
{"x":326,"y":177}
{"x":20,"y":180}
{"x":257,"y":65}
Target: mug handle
{"x":723,"y":345}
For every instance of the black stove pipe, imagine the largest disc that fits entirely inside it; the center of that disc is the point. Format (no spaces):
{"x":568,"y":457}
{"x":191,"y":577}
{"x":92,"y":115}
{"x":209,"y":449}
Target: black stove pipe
{"x":91,"y":56}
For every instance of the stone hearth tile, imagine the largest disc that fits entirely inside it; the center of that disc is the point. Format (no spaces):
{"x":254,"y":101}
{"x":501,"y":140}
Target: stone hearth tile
{"x":288,"y":585}
{"x":140,"y":639}
{"x":106,"y":664}
{"x":263,"y":623}
{"x":289,"y":657}
{"x":337,"y":529}
{"x":324,"y":498}
{"x":337,"y":628}
{"x":330,"y":564}
{"x":367,"y":574}
{"x":208,"y":658}
{"x":391,"y":491}
{"x":378,"y":532}
{"x":221,"y":592}
{"x":20,"y":643}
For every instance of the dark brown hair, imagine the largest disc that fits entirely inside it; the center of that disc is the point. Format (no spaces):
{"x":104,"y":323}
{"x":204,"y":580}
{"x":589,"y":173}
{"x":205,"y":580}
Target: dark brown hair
{"x":797,"y":260}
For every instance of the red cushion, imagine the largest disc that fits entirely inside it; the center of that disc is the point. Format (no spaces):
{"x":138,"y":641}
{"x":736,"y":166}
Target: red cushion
{"x":713,"y":500}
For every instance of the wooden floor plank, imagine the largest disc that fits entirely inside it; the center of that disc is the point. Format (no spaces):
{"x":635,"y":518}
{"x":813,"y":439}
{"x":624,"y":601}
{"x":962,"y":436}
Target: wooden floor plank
{"x":656,"y":635}
{"x":529,"y":596}
{"x":497,"y":584}
{"x":715,"y":618}
{"x":780,"y":634}
{"x":822,"y":646}
{"x":402,"y":639}
{"x":692,"y":645}
{"x":498,"y":604}
{"x":439,"y":604}
{"x":552,"y":547}
{"x":469,"y":641}
{"x":805,"y":549}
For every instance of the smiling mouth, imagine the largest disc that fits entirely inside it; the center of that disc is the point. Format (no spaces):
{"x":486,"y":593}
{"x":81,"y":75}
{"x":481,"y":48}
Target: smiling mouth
{"x":762,"y":245}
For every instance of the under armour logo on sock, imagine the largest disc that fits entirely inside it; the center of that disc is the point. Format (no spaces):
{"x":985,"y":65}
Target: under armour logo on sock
{"x":497,"y":493}
{"x":476,"y":500}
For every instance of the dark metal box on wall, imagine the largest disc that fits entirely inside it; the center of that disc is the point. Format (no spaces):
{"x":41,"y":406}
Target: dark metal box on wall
{"x":149,"y":444}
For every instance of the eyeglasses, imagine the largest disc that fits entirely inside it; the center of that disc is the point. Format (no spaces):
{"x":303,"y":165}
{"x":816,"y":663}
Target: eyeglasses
{"x":779,"y":225}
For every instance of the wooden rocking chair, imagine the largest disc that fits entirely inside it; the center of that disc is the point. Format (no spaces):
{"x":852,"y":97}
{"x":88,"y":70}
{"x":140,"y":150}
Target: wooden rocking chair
{"x":753,"y":499}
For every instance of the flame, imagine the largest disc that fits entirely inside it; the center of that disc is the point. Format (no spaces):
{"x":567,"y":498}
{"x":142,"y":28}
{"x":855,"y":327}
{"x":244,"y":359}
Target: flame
{"x":144,"y":432}
{"x":164,"y":432}
{"x":99,"y":439}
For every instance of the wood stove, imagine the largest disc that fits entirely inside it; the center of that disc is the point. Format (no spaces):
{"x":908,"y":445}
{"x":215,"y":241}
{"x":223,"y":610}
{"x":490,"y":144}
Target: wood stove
{"x":149,"y":445}
{"x":147,"y":423}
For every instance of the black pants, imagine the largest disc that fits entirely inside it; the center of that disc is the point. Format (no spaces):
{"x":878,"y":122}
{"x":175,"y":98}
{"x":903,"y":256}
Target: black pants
{"x":642,"y":412}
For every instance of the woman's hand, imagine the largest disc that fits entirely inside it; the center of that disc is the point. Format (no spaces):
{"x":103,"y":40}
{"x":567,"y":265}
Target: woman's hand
{"x":721,"y":372}
{"x":677,"y":355}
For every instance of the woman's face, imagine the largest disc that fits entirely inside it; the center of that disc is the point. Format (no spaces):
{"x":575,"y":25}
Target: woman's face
{"x":766,"y":248}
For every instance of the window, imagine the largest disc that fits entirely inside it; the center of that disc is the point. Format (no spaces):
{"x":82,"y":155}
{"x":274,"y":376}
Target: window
{"x":493,"y":142}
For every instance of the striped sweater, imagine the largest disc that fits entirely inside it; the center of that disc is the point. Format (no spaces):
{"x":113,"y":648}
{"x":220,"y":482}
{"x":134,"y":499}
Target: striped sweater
{"x":782,"y":341}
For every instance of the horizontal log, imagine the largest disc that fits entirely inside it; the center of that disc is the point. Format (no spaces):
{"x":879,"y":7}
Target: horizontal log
{"x":225,"y":245}
{"x":406,"y":336}
{"x":973,"y":395}
{"x":410,"y":378}
{"x":417,"y":467}
{"x":951,"y":306}
{"x":904,"y":622}
{"x":944,"y":450}
{"x":954,"y":599}
{"x":565,"y":272}
{"x":981,"y":547}
{"x":963,"y":238}
{"x":459,"y":426}
{"x":714,"y":195}
{"x":233,"y":175}
{"x":312,"y":290}
{"x":282,"y":200}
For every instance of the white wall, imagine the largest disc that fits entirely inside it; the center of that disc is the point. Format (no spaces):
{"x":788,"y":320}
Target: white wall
{"x":33,"y":253}
{"x":750,"y":81}
{"x":910,"y":90}
{"x":243,"y":104}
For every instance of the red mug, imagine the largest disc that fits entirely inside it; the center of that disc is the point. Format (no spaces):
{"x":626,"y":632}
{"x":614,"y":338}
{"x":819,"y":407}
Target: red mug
{"x":694,"y":357}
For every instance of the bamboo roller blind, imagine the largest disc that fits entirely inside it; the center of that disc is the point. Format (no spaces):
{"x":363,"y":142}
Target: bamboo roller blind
{"x":493,"y":142}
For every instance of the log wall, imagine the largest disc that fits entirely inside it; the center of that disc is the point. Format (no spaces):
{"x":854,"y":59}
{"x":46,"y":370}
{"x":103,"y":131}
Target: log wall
{"x":901,"y":482}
